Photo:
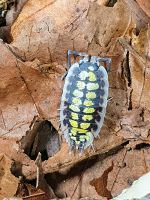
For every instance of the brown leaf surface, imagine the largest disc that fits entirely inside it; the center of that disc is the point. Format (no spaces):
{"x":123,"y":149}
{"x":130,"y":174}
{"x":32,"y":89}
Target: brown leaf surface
{"x":138,"y":15}
{"x":145,"y":5}
{"x":140,"y":72}
{"x":27,"y":191}
{"x":28,"y":93}
{"x":100,"y":184}
{"x":8,"y":182}
{"x":135,"y":122}
{"x":30,"y":90}
{"x":21,"y":94}
{"x":81,"y":28}
{"x":36,"y":92}
{"x":128,"y":166}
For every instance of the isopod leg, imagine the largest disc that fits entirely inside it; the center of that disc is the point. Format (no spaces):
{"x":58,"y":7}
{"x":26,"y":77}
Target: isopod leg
{"x":109,"y":99}
{"x":64,"y":75}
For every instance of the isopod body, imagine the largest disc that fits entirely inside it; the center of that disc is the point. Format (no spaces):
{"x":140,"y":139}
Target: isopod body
{"x":84,"y":101}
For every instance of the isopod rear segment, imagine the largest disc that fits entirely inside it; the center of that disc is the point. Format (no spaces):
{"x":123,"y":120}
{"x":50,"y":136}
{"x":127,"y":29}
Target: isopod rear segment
{"x":84,"y":100}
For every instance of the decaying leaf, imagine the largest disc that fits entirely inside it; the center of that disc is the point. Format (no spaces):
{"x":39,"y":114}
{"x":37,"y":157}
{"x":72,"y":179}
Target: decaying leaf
{"x":145,"y":5}
{"x":140,"y":17}
{"x":44,"y":95}
{"x":139,"y":189}
{"x":100,"y":184}
{"x":13,"y":198}
{"x":82,"y":28}
{"x":140,"y":71}
{"x":23,"y":102}
{"x":128,"y":166}
{"x":30,"y":192}
{"x":8,"y":182}
{"x":30,"y":73}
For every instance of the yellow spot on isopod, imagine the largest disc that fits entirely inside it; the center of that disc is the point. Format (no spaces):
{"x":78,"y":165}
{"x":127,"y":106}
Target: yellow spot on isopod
{"x":88,"y":103}
{"x":78,"y":130}
{"x":87,"y":117}
{"x":85,"y":125}
{"x":74,"y":131}
{"x":82,"y":139}
{"x":73,"y":123}
{"x":92,"y":86}
{"x":82,"y":136}
{"x":77,"y":142}
{"x":78,"y":93}
{"x":91,"y":95}
{"x":83,"y":75}
{"x":74,"y":108}
{"x":74,"y":115}
{"x":88,"y":136}
{"x":73,"y":138}
{"x":80,"y":85}
{"x":76,"y":101}
{"x":89,"y":110}
{"x":92,"y":76}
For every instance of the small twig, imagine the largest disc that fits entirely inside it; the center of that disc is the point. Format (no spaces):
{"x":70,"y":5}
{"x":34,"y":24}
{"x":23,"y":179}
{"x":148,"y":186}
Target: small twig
{"x":38,"y":163}
{"x":118,"y":172}
{"x":34,"y":195}
{"x":80,"y":178}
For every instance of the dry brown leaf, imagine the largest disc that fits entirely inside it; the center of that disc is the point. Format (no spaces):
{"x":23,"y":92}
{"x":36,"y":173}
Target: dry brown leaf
{"x":20,"y":98}
{"x":86,"y":26}
{"x":100,"y":184}
{"x":27,"y":191}
{"x":138,"y":15}
{"x":128,"y":166}
{"x":13,"y":198}
{"x":138,"y":144}
{"x":29,"y":95}
{"x":140,"y":72}
{"x":145,"y":5}
{"x":135,"y":167}
{"x":97,"y":172}
{"x":32,"y":90}
{"x":134,"y":125}
{"x":8,"y":182}
{"x":102,"y":2}
{"x":133,"y":118}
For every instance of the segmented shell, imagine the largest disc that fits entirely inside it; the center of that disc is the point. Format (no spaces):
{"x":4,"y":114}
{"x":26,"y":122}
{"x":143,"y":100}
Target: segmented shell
{"x":83,"y":103}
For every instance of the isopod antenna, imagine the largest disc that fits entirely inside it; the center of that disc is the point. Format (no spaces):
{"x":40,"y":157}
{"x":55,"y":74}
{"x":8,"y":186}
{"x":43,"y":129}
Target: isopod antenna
{"x":74,"y":53}
{"x":107,"y":60}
